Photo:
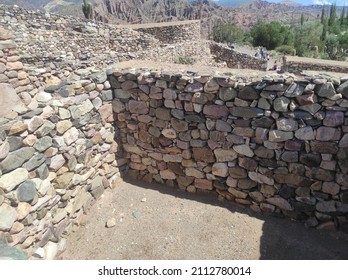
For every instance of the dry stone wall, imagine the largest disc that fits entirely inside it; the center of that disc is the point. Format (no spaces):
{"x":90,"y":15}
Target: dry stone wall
{"x":297,"y":67}
{"x":170,"y":33}
{"x":235,"y":59}
{"x":277,"y":146}
{"x":43,"y":37}
{"x":57,"y":151}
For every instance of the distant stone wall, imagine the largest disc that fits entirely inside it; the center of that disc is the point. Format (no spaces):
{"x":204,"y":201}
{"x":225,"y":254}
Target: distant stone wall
{"x":298,"y":67}
{"x":43,"y":37}
{"x":276,"y":146}
{"x":236,"y":59}
{"x":169,"y":33}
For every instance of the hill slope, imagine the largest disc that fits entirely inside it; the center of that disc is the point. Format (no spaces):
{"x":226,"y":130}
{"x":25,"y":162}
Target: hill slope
{"x":145,"y":11}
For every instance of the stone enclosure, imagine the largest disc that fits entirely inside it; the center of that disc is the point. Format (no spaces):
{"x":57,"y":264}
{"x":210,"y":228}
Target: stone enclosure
{"x":72,"y":124}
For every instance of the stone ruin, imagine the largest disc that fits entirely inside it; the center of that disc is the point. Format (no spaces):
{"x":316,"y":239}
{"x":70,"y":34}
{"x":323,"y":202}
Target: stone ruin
{"x":72,"y":125}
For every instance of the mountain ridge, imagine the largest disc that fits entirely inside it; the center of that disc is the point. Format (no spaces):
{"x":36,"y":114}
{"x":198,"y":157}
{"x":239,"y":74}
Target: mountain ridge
{"x":210,"y":13}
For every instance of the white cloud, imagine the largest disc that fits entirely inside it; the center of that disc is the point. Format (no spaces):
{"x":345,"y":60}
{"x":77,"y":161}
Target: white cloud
{"x":321,"y":2}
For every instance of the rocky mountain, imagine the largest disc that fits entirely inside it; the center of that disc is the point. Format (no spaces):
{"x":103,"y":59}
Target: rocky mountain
{"x":145,"y":11}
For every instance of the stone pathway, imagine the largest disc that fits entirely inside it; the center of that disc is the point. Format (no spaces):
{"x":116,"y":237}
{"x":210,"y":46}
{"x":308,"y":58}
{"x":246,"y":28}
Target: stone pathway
{"x":159,"y":222}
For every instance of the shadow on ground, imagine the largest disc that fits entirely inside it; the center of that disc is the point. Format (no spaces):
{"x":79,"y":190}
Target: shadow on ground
{"x":282,"y":238}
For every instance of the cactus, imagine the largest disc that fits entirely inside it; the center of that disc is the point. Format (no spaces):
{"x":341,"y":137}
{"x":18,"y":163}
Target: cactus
{"x":87,"y":10}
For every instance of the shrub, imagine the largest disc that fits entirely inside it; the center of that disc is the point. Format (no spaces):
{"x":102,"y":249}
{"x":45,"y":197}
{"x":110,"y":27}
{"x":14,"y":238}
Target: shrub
{"x":286,"y":49}
{"x":185,"y":60}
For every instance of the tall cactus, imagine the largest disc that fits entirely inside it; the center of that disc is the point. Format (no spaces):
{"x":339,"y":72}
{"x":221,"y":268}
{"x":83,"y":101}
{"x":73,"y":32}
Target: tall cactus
{"x":87,"y":10}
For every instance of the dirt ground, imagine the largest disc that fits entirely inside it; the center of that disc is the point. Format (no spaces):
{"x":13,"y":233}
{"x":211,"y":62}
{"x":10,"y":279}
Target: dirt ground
{"x":158,"y":222}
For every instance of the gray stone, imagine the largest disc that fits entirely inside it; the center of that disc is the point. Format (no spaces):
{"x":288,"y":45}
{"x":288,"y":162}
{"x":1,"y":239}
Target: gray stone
{"x":243,"y":150}
{"x":15,"y":142}
{"x":280,"y":136}
{"x":294,"y":90}
{"x":227,"y":94}
{"x":248,"y":93}
{"x":122,"y":94}
{"x":290,"y":156}
{"x":34,"y":162}
{"x":261,"y":179}
{"x":4,"y":150}
{"x":43,"y":171}
{"x":310,"y":160}
{"x":16,"y":159}
{"x":281,"y":104}
{"x":35,"y":123}
{"x":326,"y":206}
{"x":45,"y":129}
{"x":43,"y":97}
{"x":223,"y":126}
{"x":247,"y":112}
{"x":10,"y":253}
{"x":312,"y":108}
{"x":287,"y":124}
{"x":305,"y":133}
{"x":327,"y":90}
{"x":99,"y":77}
{"x":264,"y":104}
{"x":279,"y":202}
{"x":26,"y":191}
{"x":107,"y":95}
{"x":163,"y":114}
{"x":43,"y":143}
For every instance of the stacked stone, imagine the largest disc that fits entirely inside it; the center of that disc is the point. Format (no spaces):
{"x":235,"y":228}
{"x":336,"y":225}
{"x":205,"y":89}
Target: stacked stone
{"x":235,"y":59}
{"x":42,"y":37}
{"x":172,"y":34}
{"x":331,"y":66}
{"x":57,"y":156}
{"x":277,"y":146}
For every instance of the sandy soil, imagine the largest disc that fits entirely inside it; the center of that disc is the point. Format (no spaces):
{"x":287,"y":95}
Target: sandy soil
{"x":159,"y":222}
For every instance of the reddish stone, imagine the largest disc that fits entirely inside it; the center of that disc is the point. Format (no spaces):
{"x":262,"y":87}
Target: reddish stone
{"x":188,"y":107}
{"x":328,"y":134}
{"x":138,"y":107}
{"x":106,"y":112}
{"x":216,"y":111}
{"x":307,"y":99}
{"x":324,"y":147}
{"x":203,"y":154}
{"x":294,"y":145}
{"x":334,"y":118}
{"x":203,"y":184}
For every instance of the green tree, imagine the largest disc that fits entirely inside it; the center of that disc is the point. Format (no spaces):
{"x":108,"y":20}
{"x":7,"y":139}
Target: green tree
{"x":87,"y":10}
{"x":227,"y":33}
{"x":307,"y":38}
{"x":323,"y":14}
{"x":332,"y":46}
{"x":302,"y":19}
{"x":271,"y":35}
{"x":343,"y":16}
{"x":325,"y":29}
{"x":343,"y":40}
{"x":332,"y":18}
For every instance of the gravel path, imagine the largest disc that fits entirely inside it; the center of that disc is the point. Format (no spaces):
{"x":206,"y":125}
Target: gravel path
{"x":159,"y":222}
